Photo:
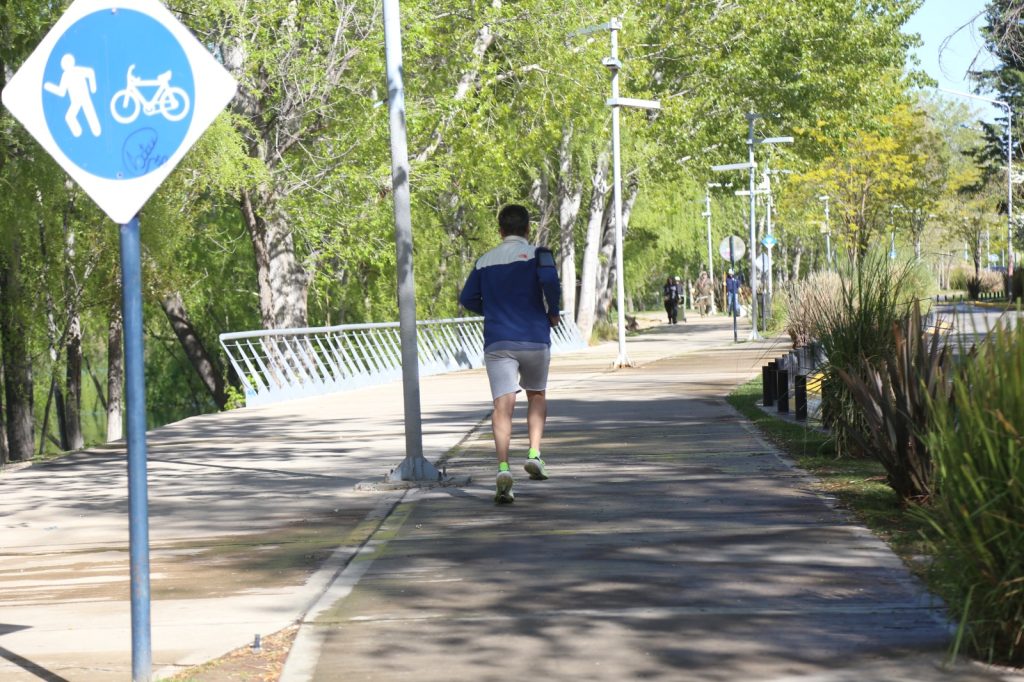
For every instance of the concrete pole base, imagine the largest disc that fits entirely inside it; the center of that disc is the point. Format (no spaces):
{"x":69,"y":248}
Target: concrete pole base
{"x":386,"y":485}
{"x":414,"y":469}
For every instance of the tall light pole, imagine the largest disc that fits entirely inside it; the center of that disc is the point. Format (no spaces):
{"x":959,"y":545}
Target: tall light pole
{"x":613,"y":64}
{"x":751,"y":166}
{"x":769,"y":240}
{"x":828,"y":232}
{"x":1009,"y":168}
{"x":414,"y":467}
{"x":707,"y":214}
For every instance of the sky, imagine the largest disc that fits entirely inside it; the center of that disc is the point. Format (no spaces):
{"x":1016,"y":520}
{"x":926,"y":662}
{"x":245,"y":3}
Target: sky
{"x":937,"y":20}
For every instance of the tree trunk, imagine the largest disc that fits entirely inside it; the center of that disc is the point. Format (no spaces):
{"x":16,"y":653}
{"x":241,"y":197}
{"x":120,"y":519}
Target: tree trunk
{"x":72,"y":413}
{"x":201,"y":361}
{"x":5,"y":454}
{"x":540,"y":194}
{"x":282,"y":280}
{"x":784,"y":269}
{"x":73,"y":386}
{"x":588,"y":276}
{"x":115,"y":376}
{"x":606,"y":263}
{"x":570,"y":194}
{"x":16,"y":359}
{"x":798,"y":253}
{"x":606,"y":283}
{"x":60,"y":409}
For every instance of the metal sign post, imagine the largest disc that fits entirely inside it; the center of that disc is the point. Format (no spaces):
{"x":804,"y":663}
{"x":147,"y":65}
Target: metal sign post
{"x":730,"y":249}
{"x":117,"y":93}
{"x":138,"y":490}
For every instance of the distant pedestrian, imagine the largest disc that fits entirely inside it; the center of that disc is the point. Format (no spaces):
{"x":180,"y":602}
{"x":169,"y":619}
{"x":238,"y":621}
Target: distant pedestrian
{"x":515,"y":287}
{"x":732,"y":291}
{"x":704,"y":293}
{"x":683,"y":293}
{"x":670,"y":296}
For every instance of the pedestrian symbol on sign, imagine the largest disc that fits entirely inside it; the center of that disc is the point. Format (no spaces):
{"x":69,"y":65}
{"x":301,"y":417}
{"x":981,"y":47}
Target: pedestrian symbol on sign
{"x":78,"y":83}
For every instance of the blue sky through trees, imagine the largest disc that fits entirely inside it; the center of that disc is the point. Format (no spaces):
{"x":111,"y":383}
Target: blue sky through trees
{"x":938,"y":20}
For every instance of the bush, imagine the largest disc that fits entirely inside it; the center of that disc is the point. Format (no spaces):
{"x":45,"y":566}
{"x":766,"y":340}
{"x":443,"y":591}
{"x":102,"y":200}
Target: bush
{"x":803,"y":298}
{"x":990,"y":281}
{"x":895,"y":399}
{"x":604,"y":330}
{"x":775,"y":320}
{"x":973,"y":288}
{"x":977,"y":445}
{"x":854,"y":326}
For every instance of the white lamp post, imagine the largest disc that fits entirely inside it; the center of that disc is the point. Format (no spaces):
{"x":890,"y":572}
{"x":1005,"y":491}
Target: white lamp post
{"x":751,"y":166}
{"x":828,"y":233}
{"x":1009,"y":168}
{"x":613,"y":64}
{"x":769,"y":240}
{"x":707,"y":214}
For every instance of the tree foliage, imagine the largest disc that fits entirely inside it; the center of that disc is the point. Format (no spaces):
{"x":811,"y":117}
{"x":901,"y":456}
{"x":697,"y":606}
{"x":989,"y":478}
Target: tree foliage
{"x":281,"y":214}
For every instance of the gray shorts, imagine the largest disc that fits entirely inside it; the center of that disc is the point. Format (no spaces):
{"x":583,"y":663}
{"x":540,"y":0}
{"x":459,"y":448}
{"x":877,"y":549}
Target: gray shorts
{"x":508,"y":370}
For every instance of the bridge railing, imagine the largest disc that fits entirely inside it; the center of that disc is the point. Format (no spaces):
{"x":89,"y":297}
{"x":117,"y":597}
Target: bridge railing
{"x":284,"y":364}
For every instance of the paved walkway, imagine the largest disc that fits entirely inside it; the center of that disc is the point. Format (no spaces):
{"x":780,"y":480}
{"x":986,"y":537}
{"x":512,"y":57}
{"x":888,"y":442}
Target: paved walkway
{"x":671,"y":543}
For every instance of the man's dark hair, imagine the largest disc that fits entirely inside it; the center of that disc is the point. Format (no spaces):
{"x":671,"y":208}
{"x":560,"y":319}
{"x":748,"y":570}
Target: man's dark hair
{"x":514,"y":220}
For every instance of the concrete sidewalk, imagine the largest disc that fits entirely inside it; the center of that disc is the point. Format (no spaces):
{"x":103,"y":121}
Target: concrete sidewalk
{"x":252,"y":514}
{"x":671,"y":543}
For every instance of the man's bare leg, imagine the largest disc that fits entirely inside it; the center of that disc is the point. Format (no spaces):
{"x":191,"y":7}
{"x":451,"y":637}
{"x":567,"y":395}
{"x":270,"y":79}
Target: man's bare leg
{"x":536,"y":416}
{"x":501,"y":424}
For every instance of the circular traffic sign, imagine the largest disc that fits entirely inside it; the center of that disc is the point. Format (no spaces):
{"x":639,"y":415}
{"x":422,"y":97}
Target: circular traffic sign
{"x":117,"y":94}
{"x":731,"y":248}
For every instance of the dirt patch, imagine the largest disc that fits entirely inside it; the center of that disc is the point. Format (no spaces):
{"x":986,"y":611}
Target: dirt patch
{"x":246,"y":664}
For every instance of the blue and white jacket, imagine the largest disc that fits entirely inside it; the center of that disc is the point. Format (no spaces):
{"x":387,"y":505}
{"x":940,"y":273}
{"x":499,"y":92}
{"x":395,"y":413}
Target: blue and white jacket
{"x":515,"y":287}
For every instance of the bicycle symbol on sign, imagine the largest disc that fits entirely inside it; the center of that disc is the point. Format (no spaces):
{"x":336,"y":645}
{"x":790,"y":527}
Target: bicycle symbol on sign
{"x":169,"y":101}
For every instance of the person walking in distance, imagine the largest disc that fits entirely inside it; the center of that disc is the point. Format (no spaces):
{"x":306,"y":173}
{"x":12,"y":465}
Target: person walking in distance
{"x":732,"y":291}
{"x":670,"y":296}
{"x":515,"y":287}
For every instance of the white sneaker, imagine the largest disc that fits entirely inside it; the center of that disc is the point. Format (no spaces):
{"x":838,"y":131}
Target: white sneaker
{"x":503,"y":488}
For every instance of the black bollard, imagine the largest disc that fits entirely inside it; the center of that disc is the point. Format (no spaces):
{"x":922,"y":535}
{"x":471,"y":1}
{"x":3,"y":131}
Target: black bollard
{"x":782,"y":395}
{"x":769,"y":386}
{"x":800,"y":396}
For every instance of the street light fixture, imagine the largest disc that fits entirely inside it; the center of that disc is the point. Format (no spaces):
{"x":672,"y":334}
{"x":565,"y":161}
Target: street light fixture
{"x":707,"y":214}
{"x":614,"y":65}
{"x":751,"y":165}
{"x":769,"y":240}
{"x":1009,"y":168}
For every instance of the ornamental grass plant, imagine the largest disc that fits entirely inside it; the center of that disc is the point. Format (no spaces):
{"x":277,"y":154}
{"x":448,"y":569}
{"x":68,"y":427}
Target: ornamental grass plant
{"x":854,"y":325}
{"x":803,"y":298}
{"x":976,"y":443}
{"x":895,"y":397}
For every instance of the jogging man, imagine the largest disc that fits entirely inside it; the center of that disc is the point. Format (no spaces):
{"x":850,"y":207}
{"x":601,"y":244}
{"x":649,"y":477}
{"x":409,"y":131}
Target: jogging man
{"x":515,"y":287}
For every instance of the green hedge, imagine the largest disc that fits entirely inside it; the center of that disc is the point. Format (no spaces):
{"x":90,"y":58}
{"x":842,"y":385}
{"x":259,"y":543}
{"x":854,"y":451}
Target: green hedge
{"x":977,"y":446}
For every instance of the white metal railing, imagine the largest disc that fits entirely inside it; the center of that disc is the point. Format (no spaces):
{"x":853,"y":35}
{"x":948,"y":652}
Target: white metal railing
{"x":284,"y":364}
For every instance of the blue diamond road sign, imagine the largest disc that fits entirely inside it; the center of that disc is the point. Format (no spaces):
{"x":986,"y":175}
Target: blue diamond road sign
{"x":117,"y":92}
{"x":769,"y":241}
